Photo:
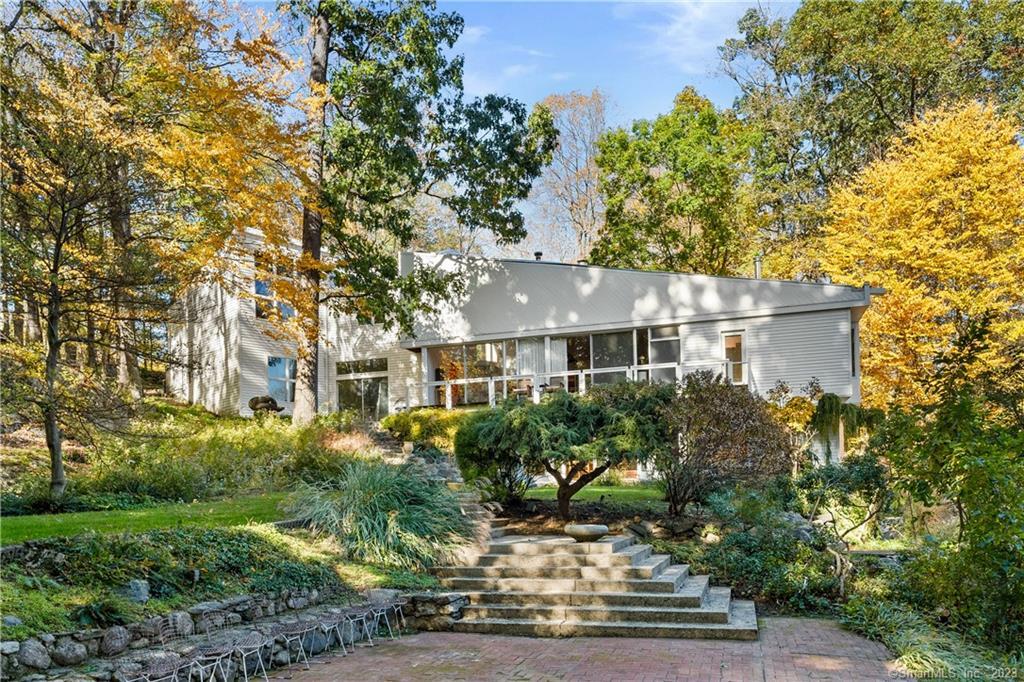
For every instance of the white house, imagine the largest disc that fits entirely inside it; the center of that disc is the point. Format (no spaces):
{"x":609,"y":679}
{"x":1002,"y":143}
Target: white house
{"x":523,"y":327}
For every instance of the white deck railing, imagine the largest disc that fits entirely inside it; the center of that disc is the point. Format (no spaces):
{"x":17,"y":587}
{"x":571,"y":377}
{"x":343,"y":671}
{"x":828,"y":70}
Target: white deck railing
{"x":535,"y":385}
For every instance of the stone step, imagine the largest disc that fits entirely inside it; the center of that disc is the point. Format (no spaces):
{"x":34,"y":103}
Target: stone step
{"x":692,"y":594}
{"x":650,"y":567}
{"x":497,"y":532}
{"x":668,"y":581}
{"x":742,"y":624}
{"x":630,"y":556}
{"x":545,"y":544}
{"x":715,"y":609}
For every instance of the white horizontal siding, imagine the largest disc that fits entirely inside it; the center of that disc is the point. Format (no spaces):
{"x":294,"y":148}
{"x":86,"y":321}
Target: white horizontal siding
{"x":791,"y":348}
{"x":348,"y":340}
{"x":206,"y":341}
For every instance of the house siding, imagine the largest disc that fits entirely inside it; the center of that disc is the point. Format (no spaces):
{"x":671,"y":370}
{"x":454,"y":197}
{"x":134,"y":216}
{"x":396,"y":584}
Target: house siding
{"x":349,"y":340}
{"x":206,"y":340}
{"x":791,"y":348}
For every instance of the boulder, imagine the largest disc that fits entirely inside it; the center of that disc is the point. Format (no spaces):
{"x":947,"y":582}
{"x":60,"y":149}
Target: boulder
{"x":10,"y":647}
{"x":32,"y":654}
{"x":798,"y":526}
{"x":115,"y":640}
{"x":69,"y":652}
{"x":11,"y":621}
{"x":138,"y":591}
{"x":181,"y":623}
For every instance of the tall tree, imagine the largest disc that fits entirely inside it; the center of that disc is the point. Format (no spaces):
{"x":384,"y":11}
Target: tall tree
{"x":87,"y":148}
{"x":397,"y":128}
{"x":939,"y":223}
{"x":567,"y":196}
{"x":674,"y":191}
{"x":831,"y":85}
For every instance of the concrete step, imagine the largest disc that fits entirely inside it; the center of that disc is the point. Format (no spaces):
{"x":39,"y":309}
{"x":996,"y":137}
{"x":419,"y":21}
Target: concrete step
{"x":742,"y":624}
{"x":651,"y":567}
{"x":715,"y":609}
{"x":630,"y":556}
{"x":668,"y":581}
{"x":545,"y":544}
{"x":692,"y":594}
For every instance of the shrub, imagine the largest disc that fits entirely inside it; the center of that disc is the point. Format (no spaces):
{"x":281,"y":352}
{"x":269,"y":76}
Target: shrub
{"x":719,"y":434}
{"x":185,"y":454}
{"x":487,"y":452}
{"x":426,"y":425}
{"x":385,"y":514}
{"x":922,"y":649}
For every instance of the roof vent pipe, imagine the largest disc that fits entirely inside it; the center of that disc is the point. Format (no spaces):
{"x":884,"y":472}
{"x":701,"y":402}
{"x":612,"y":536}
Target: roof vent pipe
{"x":537,"y":254}
{"x":757,"y":266}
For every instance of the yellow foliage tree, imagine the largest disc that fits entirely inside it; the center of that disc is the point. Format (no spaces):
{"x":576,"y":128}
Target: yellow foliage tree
{"x":939,"y":223}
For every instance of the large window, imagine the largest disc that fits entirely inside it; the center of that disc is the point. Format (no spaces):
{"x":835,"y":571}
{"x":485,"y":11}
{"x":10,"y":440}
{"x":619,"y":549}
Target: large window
{"x":611,"y":350}
{"x":735,"y":355}
{"x":363,"y":386}
{"x":281,"y":379}
{"x":664,"y":350}
{"x":266,"y":305}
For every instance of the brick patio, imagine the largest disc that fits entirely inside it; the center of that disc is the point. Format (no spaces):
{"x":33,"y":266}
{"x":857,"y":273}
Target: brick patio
{"x":788,"y":649}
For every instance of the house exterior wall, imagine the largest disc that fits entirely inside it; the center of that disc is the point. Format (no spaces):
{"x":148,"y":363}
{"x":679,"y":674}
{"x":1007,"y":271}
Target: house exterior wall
{"x":346,"y":339}
{"x":512,"y":299}
{"x":205,"y":339}
{"x":791,"y":348}
{"x":792,"y":331}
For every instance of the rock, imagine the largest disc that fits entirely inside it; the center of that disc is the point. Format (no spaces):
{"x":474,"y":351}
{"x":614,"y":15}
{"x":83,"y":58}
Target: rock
{"x":181,"y":623}
{"x":138,"y":591}
{"x":297,"y":603}
{"x":47,"y":639}
{"x":202,"y":607}
{"x":10,"y":647}
{"x":69,"y":652}
{"x":799,"y":527}
{"x":380,"y":594}
{"x":33,"y":654}
{"x":585,"y":532}
{"x":11,"y":621}
{"x":115,"y":640}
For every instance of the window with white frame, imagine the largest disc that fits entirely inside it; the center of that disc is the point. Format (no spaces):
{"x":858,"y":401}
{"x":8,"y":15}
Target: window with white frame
{"x":363,"y":386}
{"x":266,"y":305}
{"x":734,"y":348}
{"x":664,"y":349}
{"x":281,"y":379}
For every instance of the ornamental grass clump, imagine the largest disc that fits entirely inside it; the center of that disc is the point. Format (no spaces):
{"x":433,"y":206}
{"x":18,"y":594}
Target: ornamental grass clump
{"x":384,"y":514}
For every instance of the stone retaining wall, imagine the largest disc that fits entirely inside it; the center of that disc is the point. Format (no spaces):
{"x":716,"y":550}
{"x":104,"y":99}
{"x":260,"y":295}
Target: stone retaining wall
{"x":110,"y":654}
{"x":64,"y":649}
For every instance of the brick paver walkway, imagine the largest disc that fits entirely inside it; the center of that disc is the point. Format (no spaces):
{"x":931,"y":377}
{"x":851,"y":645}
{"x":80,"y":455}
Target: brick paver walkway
{"x":788,"y":649}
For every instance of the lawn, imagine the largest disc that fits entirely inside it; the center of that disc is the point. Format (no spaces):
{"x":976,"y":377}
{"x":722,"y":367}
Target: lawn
{"x":226,"y":512}
{"x":594,"y":493}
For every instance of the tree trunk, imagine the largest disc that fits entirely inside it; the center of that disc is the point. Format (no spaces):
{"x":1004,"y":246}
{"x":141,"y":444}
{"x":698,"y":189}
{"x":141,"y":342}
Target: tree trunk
{"x":51,"y":426}
{"x":307,"y":361}
{"x":566,"y":490}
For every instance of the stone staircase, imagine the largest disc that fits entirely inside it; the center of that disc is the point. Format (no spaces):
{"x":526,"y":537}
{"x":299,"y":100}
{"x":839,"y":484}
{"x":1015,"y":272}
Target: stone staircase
{"x":552,"y":586}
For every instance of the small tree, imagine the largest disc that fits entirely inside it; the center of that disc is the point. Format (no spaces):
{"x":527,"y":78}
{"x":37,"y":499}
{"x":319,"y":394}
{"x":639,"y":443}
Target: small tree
{"x":488,"y":449}
{"x":719,"y":434}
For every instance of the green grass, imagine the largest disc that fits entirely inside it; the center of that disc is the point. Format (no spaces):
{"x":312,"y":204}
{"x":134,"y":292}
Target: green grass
{"x":625,"y":493}
{"x":226,"y":512}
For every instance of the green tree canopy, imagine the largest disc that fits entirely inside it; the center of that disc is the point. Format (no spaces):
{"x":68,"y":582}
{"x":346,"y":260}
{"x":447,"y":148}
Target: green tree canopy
{"x":675,"y":191}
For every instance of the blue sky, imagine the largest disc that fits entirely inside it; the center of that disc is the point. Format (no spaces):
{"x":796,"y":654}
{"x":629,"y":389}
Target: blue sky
{"x":640,"y":53}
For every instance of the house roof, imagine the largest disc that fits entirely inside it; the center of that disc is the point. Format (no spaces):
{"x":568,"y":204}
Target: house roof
{"x":506,"y":298}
